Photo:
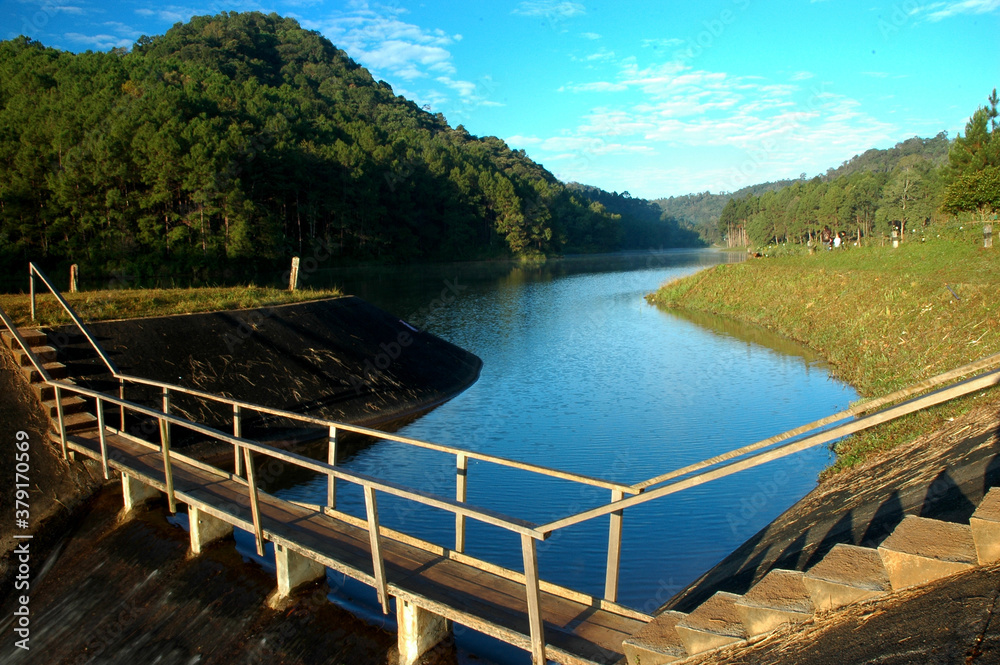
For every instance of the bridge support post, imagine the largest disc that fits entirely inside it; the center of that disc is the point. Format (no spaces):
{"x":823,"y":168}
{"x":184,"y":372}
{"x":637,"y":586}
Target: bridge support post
{"x":294,"y":570}
{"x":206,"y":529}
{"x":136,"y":492}
{"x":419,"y":631}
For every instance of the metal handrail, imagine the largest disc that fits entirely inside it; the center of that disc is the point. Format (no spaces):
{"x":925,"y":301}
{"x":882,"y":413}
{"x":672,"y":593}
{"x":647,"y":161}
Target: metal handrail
{"x":726,"y":465}
{"x":974,"y":384}
{"x":641,"y":492}
{"x":35,"y":270}
{"x":854,"y":411}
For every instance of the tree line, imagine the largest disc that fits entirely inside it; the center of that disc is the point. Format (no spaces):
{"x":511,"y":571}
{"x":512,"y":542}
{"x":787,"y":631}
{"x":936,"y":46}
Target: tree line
{"x":880,"y":193}
{"x":241,"y":137}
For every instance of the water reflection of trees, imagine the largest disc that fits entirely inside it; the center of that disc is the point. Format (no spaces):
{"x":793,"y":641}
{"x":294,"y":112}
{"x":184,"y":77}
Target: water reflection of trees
{"x":747,"y":332}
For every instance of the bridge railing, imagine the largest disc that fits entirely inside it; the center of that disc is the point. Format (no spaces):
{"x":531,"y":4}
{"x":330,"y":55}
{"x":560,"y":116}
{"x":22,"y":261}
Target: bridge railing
{"x":622,"y":495}
{"x":720,"y":466}
{"x":248,"y":448}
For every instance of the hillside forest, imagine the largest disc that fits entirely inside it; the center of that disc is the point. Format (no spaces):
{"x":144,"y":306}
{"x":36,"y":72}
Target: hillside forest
{"x":906,"y":189}
{"x":243,"y":136}
{"x":235,"y":141}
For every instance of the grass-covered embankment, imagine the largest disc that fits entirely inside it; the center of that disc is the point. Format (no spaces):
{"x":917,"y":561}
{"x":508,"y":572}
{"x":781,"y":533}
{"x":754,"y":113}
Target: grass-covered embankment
{"x":135,"y":303}
{"x":884,"y":318}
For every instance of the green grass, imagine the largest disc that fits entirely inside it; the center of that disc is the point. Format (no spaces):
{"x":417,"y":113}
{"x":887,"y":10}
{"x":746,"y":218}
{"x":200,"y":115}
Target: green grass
{"x":884,"y":318}
{"x":136,"y":303}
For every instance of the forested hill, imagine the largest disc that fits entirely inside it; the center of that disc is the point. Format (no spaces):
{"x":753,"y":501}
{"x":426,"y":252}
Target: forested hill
{"x":644,"y":224}
{"x":243,"y":136}
{"x":703,"y":211}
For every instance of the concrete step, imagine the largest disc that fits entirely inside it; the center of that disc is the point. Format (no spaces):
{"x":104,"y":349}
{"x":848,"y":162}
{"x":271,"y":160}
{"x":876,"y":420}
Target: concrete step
{"x":77,"y":422}
{"x":715,"y":623}
{"x":70,"y":405}
{"x":921,"y":550}
{"x":780,"y":597}
{"x":847,"y":574}
{"x":985,"y":525}
{"x":30,"y":336}
{"x":657,"y":643}
{"x":55,"y":370}
{"x":44,"y":354}
{"x":44,"y":391}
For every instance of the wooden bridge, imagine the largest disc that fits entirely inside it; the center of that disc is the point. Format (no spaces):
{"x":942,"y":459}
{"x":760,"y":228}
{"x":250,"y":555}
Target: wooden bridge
{"x":432,"y":585}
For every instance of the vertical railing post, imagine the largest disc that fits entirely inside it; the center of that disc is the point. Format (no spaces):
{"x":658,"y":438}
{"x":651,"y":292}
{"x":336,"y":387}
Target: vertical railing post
{"x":258,"y":534}
{"x":121,"y":396}
{"x":31,"y":286}
{"x":461,"y":486}
{"x":238,"y":432}
{"x":166,"y":409}
{"x":331,"y":459}
{"x":614,"y":550}
{"x":531,"y":586}
{"x":168,"y":470}
{"x":62,"y":423}
{"x":378,"y":563}
{"x":104,"y":437}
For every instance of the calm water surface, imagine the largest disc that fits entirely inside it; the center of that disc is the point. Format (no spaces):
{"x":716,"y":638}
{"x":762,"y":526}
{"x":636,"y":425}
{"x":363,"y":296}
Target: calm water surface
{"x":579,"y":373}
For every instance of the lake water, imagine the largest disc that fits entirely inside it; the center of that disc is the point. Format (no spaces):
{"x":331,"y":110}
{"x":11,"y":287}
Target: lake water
{"x":581,"y":374}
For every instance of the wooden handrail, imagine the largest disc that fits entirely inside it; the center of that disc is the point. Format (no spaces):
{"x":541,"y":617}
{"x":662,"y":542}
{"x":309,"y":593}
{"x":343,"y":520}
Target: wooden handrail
{"x":964,"y":388}
{"x":367,"y":431}
{"x":651,"y":489}
{"x":486,"y":515}
{"x":855,"y":410}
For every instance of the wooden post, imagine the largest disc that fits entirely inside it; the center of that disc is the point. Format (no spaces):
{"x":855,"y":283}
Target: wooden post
{"x":104,"y":437}
{"x":74,"y":278}
{"x":331,"y":459}
{"x":121,"y":396}
{"x":166,"y":409}
{"x":614,"y":550}
{"x":461,"y":487}
{"x":378,"y":563}
{"x":254,"y":502}
{"x":238,"y":432}
{"x":168,"y":470}
{"x":535,"y":621}
{"x":895,"y":238}
{"x":62,"y":423}
{"x":988,"y":235}
{"x":31,"y":286}
{"x":293,"y":278}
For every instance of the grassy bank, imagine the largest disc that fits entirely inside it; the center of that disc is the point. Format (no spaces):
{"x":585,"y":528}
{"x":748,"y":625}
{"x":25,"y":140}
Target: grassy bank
{"x":135,"y":303}
{"x":884,"y":318}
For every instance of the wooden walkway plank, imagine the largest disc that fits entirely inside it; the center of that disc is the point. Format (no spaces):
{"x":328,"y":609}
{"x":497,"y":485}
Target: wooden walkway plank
{"x":575,"y":632}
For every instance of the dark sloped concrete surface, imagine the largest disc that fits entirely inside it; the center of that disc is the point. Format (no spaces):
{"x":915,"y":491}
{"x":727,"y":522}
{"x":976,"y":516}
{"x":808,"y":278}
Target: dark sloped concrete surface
{"x":342,"y":359}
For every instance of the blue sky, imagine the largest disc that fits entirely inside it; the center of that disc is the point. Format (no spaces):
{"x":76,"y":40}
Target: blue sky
{"x":658,"y":99}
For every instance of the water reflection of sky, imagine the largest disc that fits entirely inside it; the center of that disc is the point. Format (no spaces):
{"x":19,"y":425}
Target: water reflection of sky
{"x":582,"y":375}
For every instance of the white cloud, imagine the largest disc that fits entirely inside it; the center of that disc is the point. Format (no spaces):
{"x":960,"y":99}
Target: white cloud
{"x":590,"y":35}
{"x":802,"y":76}
{"x":99,"y":42}
{"x":550,"y":8}
{"x":390,"y":47}
{"x":756,"y":129}
{"x":941,"y":10}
